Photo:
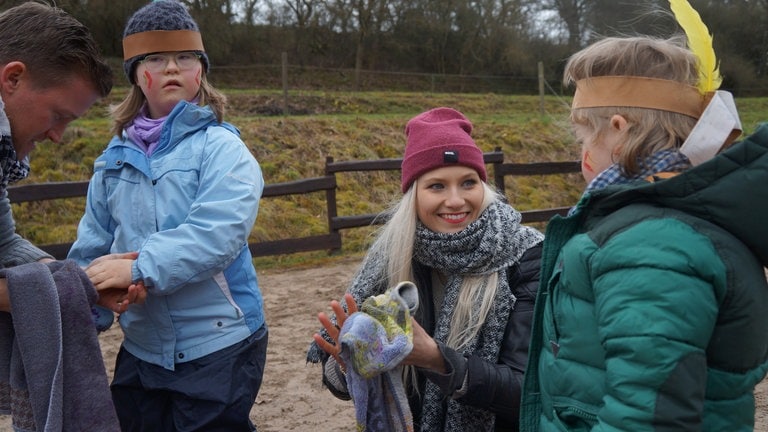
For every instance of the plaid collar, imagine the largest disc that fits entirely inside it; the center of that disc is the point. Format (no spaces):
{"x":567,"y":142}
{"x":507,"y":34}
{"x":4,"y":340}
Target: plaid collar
{"x":662,"y":161}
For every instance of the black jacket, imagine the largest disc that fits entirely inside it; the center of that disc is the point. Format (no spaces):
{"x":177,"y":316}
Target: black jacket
{"x":498,"y":387}
{"x":494,"y":387}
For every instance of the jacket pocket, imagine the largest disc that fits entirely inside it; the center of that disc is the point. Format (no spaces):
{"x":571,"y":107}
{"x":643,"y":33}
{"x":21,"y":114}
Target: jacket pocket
{"x":573,"y":419}
{"x":551,"y":331}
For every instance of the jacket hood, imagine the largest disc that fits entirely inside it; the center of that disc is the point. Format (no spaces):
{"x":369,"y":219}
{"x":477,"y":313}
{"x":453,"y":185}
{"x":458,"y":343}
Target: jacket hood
{"x":185,"y":119}
{"x":730,"y":190}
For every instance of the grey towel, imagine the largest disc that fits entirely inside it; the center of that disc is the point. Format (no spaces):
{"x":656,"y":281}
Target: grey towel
{"x":52,"y":375}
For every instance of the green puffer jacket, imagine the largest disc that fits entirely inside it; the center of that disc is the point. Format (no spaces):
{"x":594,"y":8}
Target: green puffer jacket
{"x":652,"y":312}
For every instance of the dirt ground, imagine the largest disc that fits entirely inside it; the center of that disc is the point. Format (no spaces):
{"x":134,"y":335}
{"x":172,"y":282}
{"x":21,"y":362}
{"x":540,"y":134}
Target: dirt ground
{"x":291,"y":397}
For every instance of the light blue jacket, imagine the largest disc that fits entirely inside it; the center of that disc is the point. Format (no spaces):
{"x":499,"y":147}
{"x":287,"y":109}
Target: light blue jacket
{"x":188,"y":210}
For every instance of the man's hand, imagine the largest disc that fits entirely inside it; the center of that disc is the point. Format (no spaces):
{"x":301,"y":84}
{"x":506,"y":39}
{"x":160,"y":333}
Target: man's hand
{"x":5,"y":300}
{"x":117,"y":299}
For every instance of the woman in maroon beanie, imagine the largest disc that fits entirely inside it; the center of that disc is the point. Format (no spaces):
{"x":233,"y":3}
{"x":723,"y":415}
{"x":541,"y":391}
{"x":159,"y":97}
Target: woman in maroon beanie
{"x":476,"y":269}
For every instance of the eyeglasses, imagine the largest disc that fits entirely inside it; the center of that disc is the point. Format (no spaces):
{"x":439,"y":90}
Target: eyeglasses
{"x":184,"y":60}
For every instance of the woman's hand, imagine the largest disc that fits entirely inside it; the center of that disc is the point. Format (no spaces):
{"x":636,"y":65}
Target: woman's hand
{"x":425,"y":353}
{"x":333,"y":330}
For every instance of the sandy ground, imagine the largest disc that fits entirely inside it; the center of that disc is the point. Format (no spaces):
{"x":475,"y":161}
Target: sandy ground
{"x":291,"y":397}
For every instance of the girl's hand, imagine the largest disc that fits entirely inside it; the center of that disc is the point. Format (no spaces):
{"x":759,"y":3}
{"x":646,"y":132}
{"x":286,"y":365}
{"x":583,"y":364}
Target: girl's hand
{"x":111,"y":271}
{"x":333,"y":330}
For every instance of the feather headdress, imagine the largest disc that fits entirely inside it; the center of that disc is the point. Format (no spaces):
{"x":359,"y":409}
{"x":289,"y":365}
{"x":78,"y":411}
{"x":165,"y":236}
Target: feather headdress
{"x":719,"y":124}
{"x":700,"y":43}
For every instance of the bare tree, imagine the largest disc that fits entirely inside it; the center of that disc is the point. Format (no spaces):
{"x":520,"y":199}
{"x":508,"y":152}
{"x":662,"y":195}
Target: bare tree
{"x":573,"y":16}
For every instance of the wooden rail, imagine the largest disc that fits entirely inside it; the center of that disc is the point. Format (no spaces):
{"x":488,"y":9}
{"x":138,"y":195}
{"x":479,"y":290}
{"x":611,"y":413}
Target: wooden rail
{"x":332,"y":240}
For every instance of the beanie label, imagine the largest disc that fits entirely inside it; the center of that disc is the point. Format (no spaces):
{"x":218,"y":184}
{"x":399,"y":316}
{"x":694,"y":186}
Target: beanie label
{"x":450,"y":156}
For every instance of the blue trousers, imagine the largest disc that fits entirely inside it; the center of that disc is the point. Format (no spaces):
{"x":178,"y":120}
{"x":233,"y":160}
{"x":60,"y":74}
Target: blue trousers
{"x":212,"y":393}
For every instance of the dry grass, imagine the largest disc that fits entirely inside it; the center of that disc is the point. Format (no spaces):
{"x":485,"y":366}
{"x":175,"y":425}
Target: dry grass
{"x":341,"y":125}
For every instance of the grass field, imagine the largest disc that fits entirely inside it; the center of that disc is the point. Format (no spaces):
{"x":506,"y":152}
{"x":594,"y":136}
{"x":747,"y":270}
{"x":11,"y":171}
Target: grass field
{"x":345,"y":126}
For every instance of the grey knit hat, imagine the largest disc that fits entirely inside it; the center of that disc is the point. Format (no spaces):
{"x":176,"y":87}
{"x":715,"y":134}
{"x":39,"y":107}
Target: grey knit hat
{"x":163,"y":25}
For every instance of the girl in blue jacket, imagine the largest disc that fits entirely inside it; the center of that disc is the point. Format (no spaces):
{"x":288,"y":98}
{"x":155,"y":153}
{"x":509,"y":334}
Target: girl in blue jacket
{"x":179,"y":187}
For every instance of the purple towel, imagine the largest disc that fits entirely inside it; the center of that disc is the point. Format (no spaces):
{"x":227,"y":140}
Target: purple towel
{"x":52,"y":375}
{"x":374,"y":342}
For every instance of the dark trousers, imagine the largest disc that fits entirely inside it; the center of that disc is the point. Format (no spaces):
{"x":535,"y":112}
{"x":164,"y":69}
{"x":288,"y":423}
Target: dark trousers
{"x":212,"y":393}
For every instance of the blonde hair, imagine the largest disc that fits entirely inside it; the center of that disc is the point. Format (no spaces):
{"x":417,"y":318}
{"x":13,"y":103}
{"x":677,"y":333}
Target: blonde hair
{"x":648,"y":130}
{"x":124,"y":112}
{"x":394,"y":247}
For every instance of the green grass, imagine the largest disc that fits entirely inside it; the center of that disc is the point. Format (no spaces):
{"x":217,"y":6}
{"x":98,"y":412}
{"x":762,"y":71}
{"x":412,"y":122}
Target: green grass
{"x":344,"y":126}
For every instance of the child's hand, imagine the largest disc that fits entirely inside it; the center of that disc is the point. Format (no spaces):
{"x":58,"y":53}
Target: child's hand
{"x":111,"y":271}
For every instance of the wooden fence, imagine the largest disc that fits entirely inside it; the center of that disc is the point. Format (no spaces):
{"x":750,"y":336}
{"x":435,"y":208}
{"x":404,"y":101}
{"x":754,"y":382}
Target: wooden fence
{"x":330,"y":241}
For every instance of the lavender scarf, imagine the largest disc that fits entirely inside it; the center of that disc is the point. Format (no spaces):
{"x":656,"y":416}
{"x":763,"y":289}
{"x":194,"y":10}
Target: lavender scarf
{"x":146,"y":131}
{"x":374,"y":342}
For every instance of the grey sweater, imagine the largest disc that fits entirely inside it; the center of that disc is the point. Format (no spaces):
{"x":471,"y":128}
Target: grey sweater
{"x":14,"y":250}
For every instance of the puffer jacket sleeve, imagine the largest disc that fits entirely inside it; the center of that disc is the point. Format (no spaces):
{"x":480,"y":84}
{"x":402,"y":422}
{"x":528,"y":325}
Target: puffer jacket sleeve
{"x":497,"y":387}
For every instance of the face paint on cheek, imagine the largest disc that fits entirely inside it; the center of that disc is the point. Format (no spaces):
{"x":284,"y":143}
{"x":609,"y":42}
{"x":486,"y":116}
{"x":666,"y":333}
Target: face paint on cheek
{"x":148,"y":79}
{"x":585,"y":162}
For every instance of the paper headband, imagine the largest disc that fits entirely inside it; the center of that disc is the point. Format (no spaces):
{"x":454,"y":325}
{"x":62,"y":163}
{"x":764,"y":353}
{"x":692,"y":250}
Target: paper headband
{"x":161,"y":41}
{"x":639,"y":92}
{"x":718,"y":120}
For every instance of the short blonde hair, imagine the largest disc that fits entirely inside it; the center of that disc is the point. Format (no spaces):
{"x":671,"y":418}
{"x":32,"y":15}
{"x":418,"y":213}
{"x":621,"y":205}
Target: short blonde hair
{"x":648,"y":130}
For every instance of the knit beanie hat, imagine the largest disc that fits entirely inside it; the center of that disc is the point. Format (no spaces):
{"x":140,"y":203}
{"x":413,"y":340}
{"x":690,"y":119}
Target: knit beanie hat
{"x":437,"y":138}
{"x":163,"y":25}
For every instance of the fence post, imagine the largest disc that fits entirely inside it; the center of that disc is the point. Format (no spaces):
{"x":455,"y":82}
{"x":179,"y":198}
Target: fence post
{"x":330,"y":202}
{"x":284,"y":63}
{"x":498,"y":177}
{"x":541,"y":88}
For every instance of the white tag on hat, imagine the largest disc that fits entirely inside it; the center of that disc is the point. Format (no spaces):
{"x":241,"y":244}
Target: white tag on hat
{"x":713,"y":129}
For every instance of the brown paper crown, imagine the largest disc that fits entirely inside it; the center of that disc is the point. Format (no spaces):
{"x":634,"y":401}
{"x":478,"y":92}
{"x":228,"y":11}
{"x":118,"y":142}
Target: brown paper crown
{"x":161,"y":41}
{"x":639,"y":92}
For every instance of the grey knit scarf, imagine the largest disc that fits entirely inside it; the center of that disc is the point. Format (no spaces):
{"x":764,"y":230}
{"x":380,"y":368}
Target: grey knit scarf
{"x":492,"y":243}
{"x":11,"y":168}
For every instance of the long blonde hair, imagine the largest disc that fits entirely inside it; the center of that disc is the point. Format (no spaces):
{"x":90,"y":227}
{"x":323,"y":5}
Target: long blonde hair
{"x":124,"y":112}
{"x":649,"y":130}
{"x":394,"y":246}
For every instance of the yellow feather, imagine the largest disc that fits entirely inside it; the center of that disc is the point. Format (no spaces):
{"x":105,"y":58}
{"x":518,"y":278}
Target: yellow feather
{"x":700,"y":43}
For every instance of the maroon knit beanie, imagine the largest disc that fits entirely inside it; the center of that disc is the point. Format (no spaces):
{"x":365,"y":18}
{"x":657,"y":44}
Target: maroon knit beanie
{"x":437,"y":138}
